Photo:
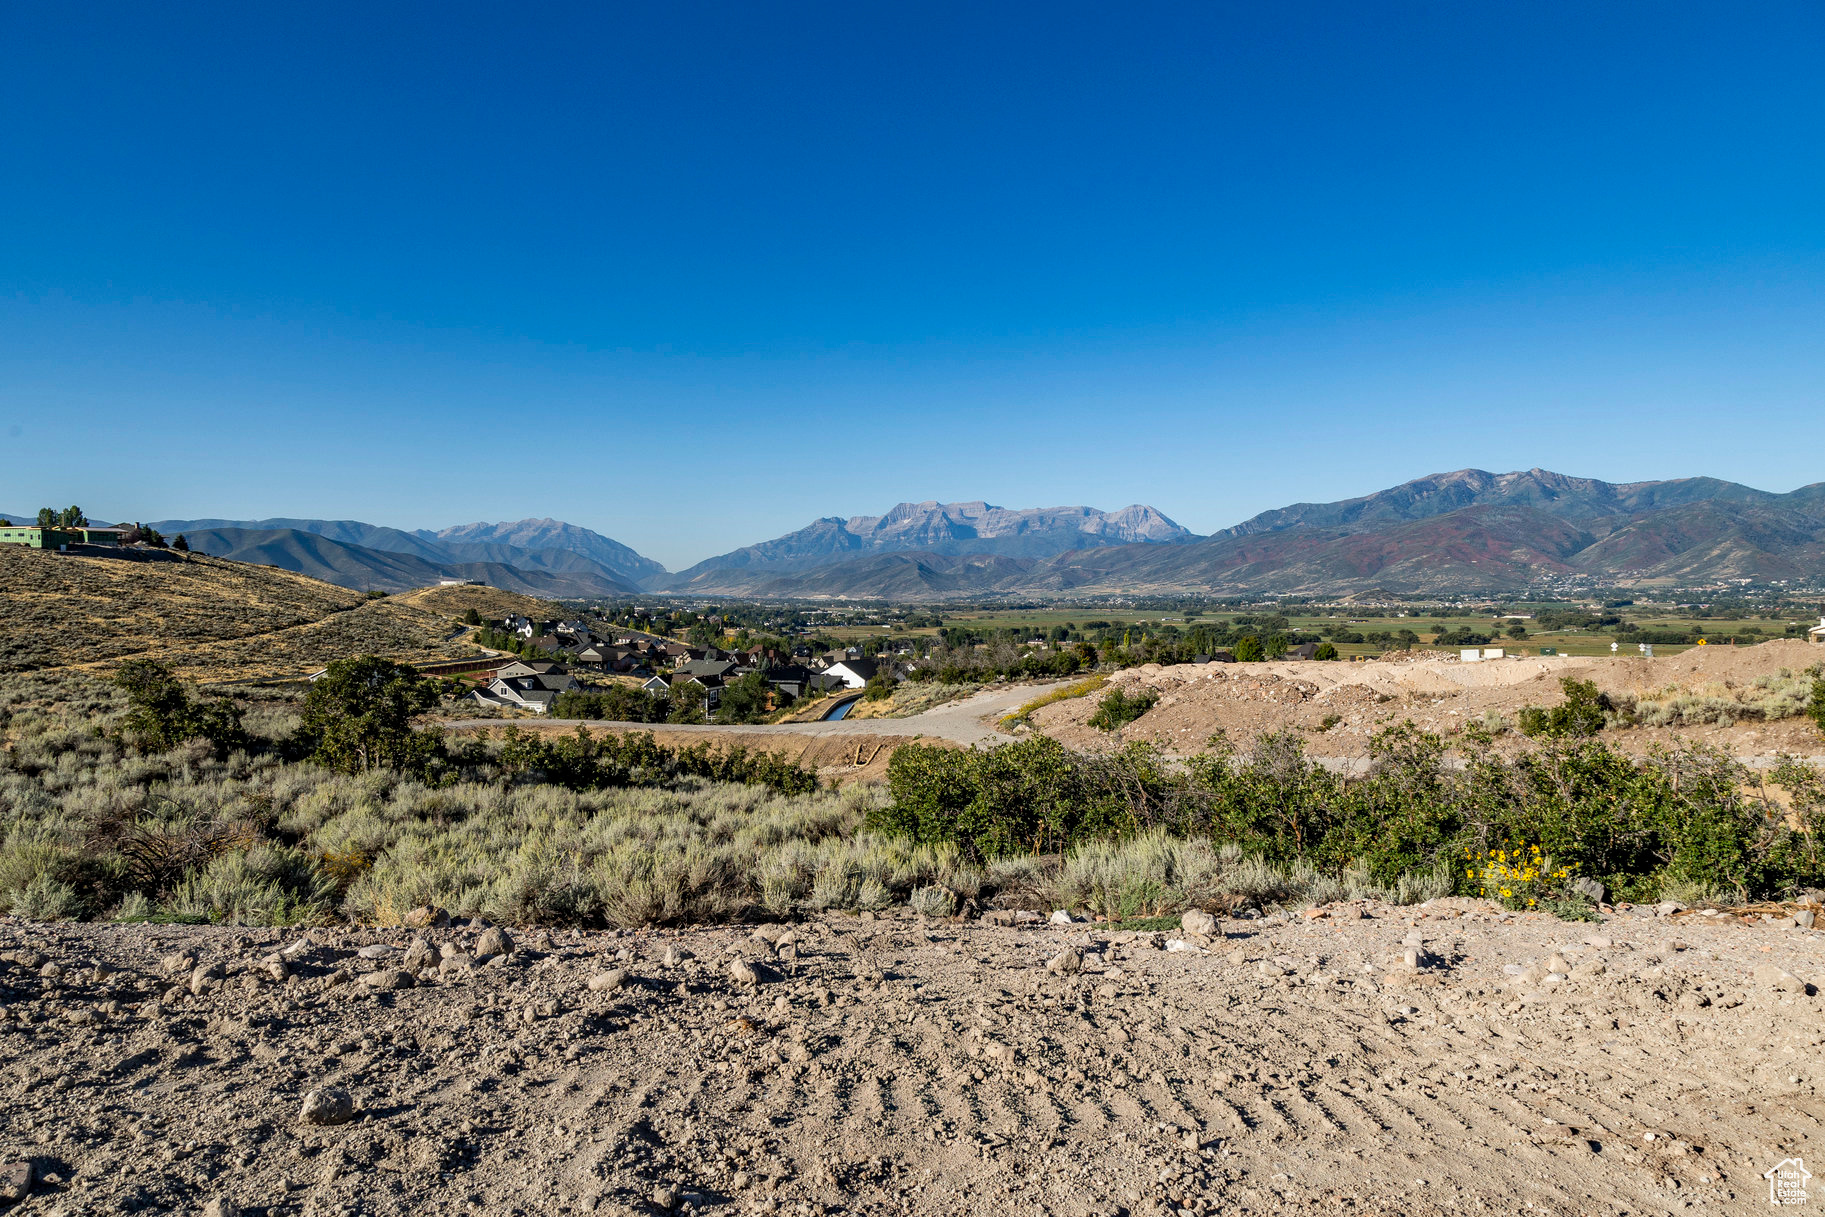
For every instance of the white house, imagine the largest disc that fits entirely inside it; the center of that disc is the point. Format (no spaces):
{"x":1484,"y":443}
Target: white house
{"x":1817,"y":632}
{"x":854,"y":673}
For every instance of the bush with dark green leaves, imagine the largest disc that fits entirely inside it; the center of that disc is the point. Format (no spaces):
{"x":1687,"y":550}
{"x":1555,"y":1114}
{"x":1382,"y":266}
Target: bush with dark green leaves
{"x":161,"y":715}
{"x":1582,"y":713}
{"x":359,"y":716}
{"x":618,"y":703}
{"x":1118,"y":709}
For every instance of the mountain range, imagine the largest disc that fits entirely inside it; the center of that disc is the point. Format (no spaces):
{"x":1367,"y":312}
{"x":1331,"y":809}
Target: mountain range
{"x":956,"y":529}
{"x":537,"y":557}
{"x":1463,"y":532}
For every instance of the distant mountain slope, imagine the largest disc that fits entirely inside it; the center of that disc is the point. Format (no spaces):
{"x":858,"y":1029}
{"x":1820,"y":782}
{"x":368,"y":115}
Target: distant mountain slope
{"x":1550,"y":493}
{"x":1463,"y":532}
{"x":359,"y":567}
{"x":939,"y":528}
{"x":552,"y":535}
{"x":565,"y":553}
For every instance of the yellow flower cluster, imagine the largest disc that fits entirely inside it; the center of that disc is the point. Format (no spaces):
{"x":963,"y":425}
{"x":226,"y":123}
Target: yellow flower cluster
{"x":1518,"y":875}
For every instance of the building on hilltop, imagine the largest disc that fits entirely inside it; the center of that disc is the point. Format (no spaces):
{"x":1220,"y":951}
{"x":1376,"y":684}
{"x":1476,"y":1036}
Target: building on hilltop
{"x":34,"y":536}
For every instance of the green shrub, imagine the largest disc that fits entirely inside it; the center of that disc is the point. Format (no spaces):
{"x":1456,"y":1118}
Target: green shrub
{"x":43,"y":899}
{"x":1583,"y":712}
{"x":1118,"y":709}
{"x":1679,"y":815}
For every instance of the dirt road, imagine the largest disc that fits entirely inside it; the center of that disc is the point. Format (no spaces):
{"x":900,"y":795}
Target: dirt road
{"x":1646,"y":1066}
{"x":971,"y":721}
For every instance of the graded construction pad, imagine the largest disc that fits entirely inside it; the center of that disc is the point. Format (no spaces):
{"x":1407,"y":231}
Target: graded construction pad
{"x":1370,"y":1059}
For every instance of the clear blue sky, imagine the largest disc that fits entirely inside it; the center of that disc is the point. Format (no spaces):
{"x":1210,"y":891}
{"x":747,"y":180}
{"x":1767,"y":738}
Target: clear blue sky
{"x":693,"y":276}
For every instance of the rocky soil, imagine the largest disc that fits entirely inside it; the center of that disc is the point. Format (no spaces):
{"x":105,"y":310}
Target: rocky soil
{"x":1365,"y":1059}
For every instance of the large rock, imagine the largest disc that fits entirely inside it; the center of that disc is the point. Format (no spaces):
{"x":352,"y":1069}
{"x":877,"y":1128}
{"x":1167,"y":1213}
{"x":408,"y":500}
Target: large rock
{"x":330,"y":1105}
{"x":493,"y":941}
{"x":1065,"y":963}
{"x":1197,"y":921}
{"x":609,"y":981}
{"x":205,"y":977}
{"x":15,"y":1181}
{"x":389,"y":978}
{"x":1770,"y":976}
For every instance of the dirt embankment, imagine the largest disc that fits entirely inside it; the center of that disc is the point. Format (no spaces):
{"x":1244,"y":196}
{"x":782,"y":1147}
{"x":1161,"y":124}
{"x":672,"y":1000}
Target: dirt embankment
{"x":1340,"y":705}
{"x":895,"y":1065}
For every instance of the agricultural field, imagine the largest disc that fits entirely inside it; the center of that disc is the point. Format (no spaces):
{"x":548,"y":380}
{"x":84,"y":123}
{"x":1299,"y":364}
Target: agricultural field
{"x":1587,"y":642}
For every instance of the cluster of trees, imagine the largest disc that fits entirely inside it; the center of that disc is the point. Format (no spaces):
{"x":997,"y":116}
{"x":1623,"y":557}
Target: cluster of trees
{"x":583,"y":761}
{"x":361,"y":716}
{"x":497,"y":638}
{"x":69,"y":517}
{"x":161,"y":713}
{"x":1634,"y":824}
{"x":742,"y":701}
{"x":357,"y":716}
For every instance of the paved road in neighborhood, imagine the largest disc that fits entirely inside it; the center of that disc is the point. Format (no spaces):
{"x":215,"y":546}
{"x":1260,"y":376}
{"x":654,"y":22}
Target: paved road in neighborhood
{"x":971,"y":721}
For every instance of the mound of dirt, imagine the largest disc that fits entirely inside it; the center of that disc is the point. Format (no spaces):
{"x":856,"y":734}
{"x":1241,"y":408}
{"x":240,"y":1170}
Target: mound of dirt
{"x":1342,"y":704}
{"x":1378,"y":1060}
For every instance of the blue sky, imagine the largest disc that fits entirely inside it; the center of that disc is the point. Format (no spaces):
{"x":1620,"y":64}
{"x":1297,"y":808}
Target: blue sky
{"x":693,"y":276}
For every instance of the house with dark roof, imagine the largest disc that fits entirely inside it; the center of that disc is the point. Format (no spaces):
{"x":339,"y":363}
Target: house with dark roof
{"x":791,"y":679}
{"x":533,"y":691}
{"x":851,"y":673}
{"x":719,"y":670}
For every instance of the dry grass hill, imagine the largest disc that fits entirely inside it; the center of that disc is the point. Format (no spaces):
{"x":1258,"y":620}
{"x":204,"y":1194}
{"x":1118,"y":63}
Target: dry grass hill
{"x":214,"y":620}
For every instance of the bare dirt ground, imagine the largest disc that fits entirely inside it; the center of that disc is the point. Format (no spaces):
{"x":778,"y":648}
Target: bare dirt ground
{"x":1438,"y":694}
{"x":1644,"y":1066}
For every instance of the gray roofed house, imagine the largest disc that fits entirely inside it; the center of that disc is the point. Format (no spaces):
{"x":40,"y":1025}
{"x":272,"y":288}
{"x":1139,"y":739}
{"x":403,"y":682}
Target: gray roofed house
{"x":718,"y":669}
{"x":533,"y":692}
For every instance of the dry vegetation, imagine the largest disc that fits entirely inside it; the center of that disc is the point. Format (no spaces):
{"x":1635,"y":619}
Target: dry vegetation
{"x":63,"y":610}
{"x":211,"y":620}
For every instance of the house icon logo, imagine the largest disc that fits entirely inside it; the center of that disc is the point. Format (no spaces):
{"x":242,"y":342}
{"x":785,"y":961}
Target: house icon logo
{"x":1787,"y":1181}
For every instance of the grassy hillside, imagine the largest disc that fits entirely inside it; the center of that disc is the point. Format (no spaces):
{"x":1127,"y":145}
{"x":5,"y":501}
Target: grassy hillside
{"x":210,"y":619}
